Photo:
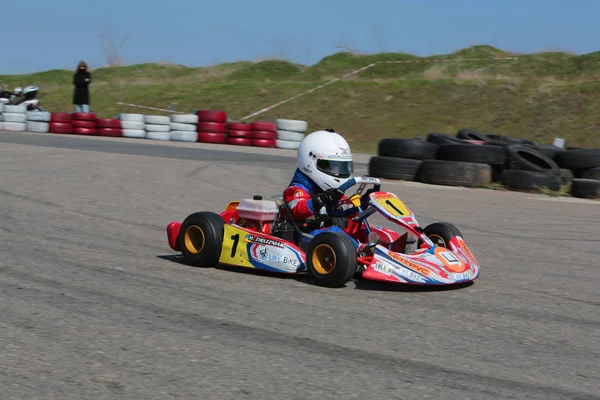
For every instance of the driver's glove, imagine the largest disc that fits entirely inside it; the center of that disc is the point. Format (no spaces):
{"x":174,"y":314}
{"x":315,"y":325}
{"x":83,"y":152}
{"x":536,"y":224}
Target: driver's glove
{"x":328,"y":197}
{"x":364,"y":199}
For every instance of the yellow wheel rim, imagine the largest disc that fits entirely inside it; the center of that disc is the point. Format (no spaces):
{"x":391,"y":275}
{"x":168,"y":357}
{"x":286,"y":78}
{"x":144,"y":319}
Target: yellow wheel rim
{"x":437,"y":238}
{"x":323,"y":259}
{"x":194,"y":239}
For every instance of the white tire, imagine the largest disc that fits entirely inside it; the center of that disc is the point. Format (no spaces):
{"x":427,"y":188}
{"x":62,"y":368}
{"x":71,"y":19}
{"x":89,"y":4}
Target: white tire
{"x":1,"y":126}
{"x":36,"y":126}
{"x":41,"y":116}
{"x":135,"y":125}
{"x":134,"y":133}
{"x":184,"y":136}
{"x":8,"y":108}
{"x":291,"y":125}
{"x":1,"y":108}
{"x":158,"y":135}
{"x":14,"y":117}
{"x":157,"y":119}
{"x":287,"y":144}
{"x":14,"y":126}
{"x":157,"y":128}
{"x":131,"y":117}
{"x":182,"y":127}
{"x":290,"y":136}
{"x":184,"y":118}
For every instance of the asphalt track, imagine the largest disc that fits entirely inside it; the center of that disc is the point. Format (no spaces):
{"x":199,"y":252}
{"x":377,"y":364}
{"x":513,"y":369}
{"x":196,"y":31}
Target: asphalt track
{"x":95,"y":306}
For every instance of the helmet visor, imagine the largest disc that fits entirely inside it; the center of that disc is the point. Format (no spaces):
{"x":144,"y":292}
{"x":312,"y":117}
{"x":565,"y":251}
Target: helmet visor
{"x":339,"y":169}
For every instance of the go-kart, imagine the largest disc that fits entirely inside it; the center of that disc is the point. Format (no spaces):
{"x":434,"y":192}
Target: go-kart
{"x":263,"y":234}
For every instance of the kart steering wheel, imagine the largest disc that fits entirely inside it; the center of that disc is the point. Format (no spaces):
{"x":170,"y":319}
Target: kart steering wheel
{"x":363,"y":181}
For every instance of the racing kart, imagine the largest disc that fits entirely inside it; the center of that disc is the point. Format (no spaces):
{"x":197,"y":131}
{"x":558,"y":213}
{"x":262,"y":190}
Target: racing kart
{"x":262,"y":234}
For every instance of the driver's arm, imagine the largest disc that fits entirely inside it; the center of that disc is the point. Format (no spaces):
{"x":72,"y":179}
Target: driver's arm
{"x":299,"y":202}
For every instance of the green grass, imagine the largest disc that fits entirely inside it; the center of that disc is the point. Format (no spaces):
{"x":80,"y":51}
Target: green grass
{"x":539,"y":96}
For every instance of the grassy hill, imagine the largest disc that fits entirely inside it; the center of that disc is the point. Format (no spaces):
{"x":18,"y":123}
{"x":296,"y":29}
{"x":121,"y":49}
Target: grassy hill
{"x":538,"y":96}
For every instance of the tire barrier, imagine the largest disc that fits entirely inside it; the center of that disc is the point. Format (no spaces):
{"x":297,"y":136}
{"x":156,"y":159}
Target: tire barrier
{"x":264,"y":134}
{"x":203,"y":125}
{"x":472,"y":159}
{"x":14,"y":118}
{"x":109,"y":127}
{"x":37,"y":121}
{"x":61,"y":123}
{"x":211,"y":126}
{"x":290,"y":133}
{"x":133,"y":125}
{"x":84,"y":123}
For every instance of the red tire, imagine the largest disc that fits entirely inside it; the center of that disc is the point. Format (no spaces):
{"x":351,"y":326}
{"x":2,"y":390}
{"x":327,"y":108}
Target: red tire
{"x":60,"y":127}
{"x":264,"y":126}
{"x":61,"y":117}
{"x":236,"y":126}
{"x":266,"y":135}
{"x":212,"y":116}
{"x":263,"y":143}
{"x":108,"y":123}
{"x":84,"y":116}
{"x":83,"y":124}
{"x":215,"y":127}
{"x":240,"y":134}
{"x":117,"y":132}
{"x":211,"y":137}
{"x":85,"y":131}
{"x":239,"y":141}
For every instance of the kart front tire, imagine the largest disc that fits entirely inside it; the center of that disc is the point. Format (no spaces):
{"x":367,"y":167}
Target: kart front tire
{"x":201,"y":237}
{"x":331,"y":258}
{"x":441,"y":233}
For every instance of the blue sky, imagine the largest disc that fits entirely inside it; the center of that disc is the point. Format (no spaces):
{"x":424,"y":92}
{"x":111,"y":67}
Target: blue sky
{"x":41,"y":34}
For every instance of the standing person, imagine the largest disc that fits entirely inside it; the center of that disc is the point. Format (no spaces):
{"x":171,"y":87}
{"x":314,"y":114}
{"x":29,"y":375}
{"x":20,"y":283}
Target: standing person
{"x":81,"y":80}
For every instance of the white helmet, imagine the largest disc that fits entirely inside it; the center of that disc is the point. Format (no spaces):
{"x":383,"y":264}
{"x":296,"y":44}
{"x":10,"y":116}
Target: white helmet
{"x":325,"y":157}
{"x":30,"y":89}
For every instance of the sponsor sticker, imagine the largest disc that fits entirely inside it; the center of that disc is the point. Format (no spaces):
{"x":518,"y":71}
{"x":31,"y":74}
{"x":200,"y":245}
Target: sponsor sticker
{"x":275,"y":255}
{"x":383,"y":268}
{"x":265,"y":241}
{"x":409,"y":264}
{"x":384,"y":196}
{"x":462,"y":276}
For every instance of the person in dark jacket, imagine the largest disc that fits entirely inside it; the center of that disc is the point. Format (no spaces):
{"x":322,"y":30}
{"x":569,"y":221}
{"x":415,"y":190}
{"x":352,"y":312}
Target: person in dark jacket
{"x":81,"y":81}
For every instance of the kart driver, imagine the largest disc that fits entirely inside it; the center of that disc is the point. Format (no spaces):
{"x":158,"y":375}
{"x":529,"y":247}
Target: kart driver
{"x":324,"y":164}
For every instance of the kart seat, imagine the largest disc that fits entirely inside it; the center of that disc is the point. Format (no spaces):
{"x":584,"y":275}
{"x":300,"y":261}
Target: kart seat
{"x":289,"y":216}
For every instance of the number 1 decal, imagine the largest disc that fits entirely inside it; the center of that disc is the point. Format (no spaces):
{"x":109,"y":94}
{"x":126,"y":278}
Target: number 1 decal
{"x":236,"y":239}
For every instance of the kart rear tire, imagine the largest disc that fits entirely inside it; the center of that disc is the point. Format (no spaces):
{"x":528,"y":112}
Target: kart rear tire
{"x":201,"y":237}
{"x":441,"y":233}
{"x":340,"y":247}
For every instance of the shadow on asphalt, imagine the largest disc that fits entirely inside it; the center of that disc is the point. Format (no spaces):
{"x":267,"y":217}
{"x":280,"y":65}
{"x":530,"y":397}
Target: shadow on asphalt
{"x":359,"y":284}
{"x":363,"y":284}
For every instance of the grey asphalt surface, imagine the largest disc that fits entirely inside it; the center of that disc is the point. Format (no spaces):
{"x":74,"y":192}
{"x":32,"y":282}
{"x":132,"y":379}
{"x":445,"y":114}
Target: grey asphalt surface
{"x":94,"y":305}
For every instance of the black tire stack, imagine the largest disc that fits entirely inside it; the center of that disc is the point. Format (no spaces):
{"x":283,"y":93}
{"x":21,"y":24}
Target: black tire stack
{"x":585,"y":165}
{"x":529,"y":170}
{"x":472,"y":159}
{"x":461,"y":163}
{"x":401,"y":159}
